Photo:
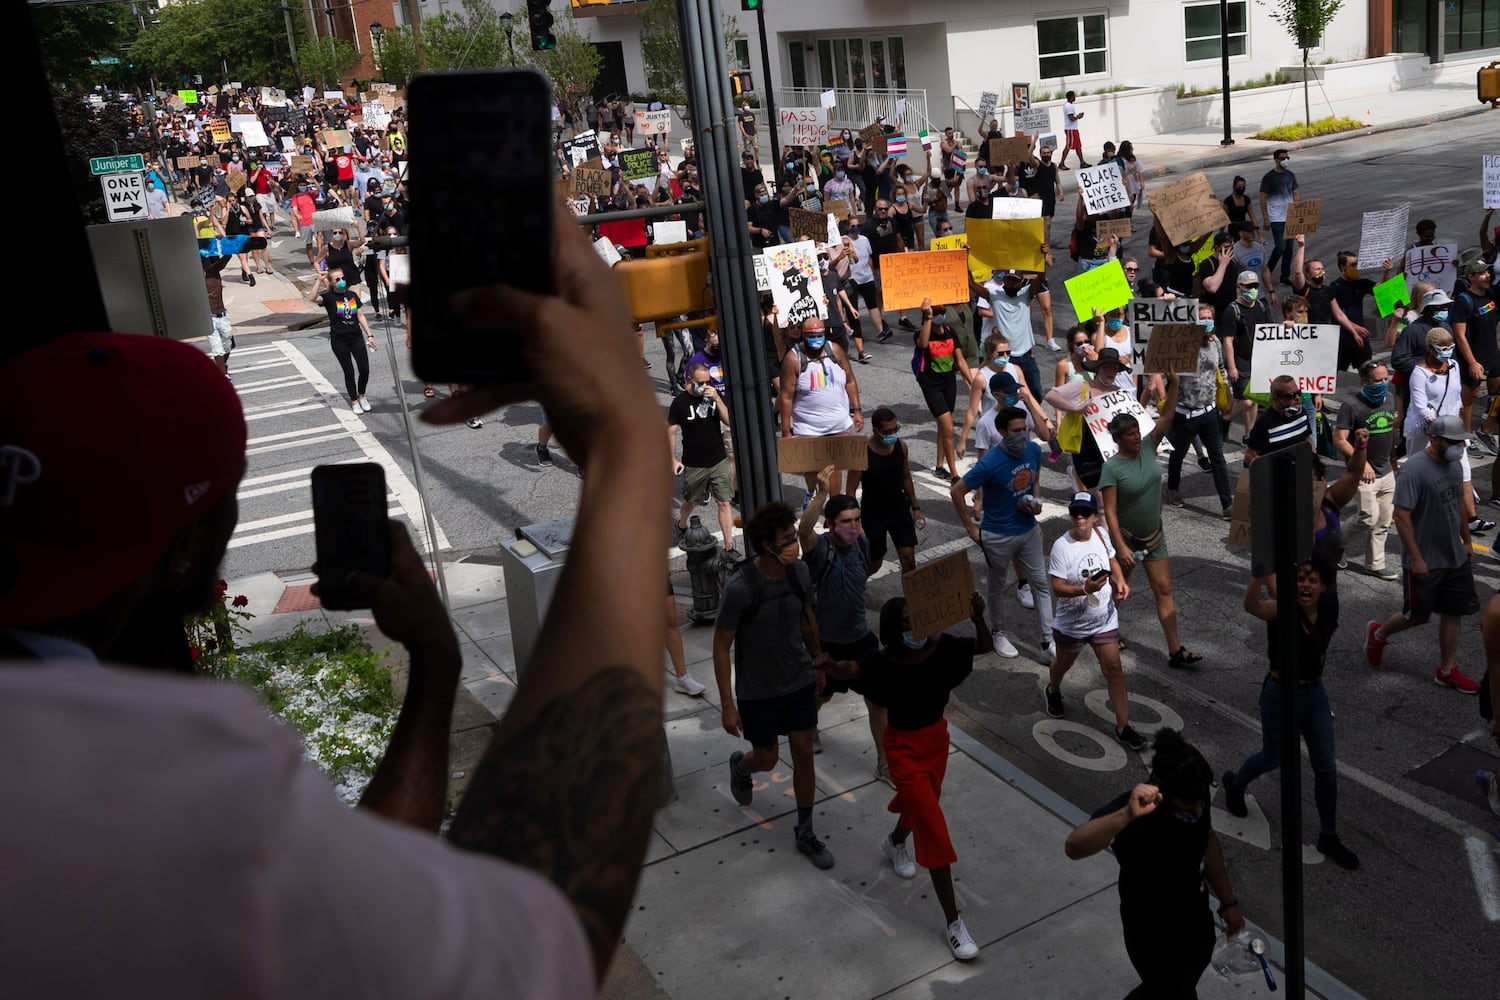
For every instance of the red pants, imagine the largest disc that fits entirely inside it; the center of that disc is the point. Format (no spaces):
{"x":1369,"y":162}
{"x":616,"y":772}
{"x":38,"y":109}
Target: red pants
{"x":918,"y":759}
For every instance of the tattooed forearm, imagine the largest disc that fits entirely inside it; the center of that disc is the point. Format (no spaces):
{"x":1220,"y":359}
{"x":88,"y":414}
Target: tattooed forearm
{"x":572,"y":795}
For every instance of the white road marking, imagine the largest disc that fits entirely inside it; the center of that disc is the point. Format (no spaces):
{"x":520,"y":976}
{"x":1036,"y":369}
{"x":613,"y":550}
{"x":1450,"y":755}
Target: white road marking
{"x":1044,"y":732}
{"x":301,"y":432}
{"x":1486,"y":878}
{"x":266,"y":384}
{"x":291,"y":531}
{"x":283,"y":411}
{"x":262,"y":349}
{"x":300,"y":443}
{"x":241,"y":369}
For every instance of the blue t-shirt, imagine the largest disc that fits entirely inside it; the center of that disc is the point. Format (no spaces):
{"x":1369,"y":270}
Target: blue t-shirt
{"x":1005,"y":479}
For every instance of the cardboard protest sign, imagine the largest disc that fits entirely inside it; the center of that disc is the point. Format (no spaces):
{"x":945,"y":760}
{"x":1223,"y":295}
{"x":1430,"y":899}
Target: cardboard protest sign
{"x":807,"y":225}
{"x":1118,"y":228}
{"x":1382,"y":236}
{"x":1306,"y":351}
{"x":1009,"y":243}
{"x":337,"y":137}
{"x":1034,"y":121}
{"x":664,"y":231}
{"x":333,"y":218}
{"x":1141,"y":315}
{"x":1103,"y":288}
{"x":235,"y":179}
{"x":907,"y":278}
{"x":1437,"y":263}
{"x":218,"y":130}
{"x":802,"y":126}
{"x":829,"y":99}
{"x":874,"y":138}
{"x":1391,"y":293}
{"x":1102,"y":188}
{"x":1490,"y":178}
{"x":189,"y":162}
{"x":591,"y":182}
{"x":1100,"y":410}
{"x":838,"y":208}
{"x":639,"y":164}
{"x":653,"y":122}
{"x":1187,"y":208}
{"x":796,"y":284}
{"x":1173,"y":349}
{"x":1242,"y":512}
{"x":813,"y":454}
{"x":1302,"y":217}
{"x":303,"y":164}
{"x":1010,"y":151}
{"x":1015,"y":208}
{"x":938,"y":594}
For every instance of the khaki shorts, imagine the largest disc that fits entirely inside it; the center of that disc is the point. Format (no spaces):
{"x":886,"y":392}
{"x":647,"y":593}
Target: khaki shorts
{"x":699,"y":484}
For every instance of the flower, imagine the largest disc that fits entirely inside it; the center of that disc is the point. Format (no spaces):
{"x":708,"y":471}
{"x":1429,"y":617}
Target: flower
{"x":240,"y":600}
{"x":196,"y":653}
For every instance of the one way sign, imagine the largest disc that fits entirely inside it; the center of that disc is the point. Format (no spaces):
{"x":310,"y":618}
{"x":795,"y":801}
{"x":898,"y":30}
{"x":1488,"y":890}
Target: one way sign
{"x":124,"y":196}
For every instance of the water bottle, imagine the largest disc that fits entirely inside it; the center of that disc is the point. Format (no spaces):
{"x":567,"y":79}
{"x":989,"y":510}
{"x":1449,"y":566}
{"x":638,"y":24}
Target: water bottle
{"x":1139,"y":555}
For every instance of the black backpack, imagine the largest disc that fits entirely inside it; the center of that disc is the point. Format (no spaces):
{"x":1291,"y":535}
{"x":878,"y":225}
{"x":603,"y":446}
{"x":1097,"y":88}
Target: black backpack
{"x":825,"y":545}
{"x":755,"y":581}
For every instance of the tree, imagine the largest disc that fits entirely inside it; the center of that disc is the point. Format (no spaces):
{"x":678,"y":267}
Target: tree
{"x":397,"y":56}
{"x":661,"y":49}
{"x":107,"y":130}
{"x":574,"y":65}
{"x":327,"y":60}
{"x":70,"y":38}
{"x":471,"y":39}
{"x":246,"y":38}
{"x":1305,"y":21}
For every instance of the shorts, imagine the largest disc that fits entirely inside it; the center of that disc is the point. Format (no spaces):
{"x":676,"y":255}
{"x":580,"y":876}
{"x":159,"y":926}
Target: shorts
{"x":1074,"y":139}
{"x":1239,"y":385}
{"x":902,"y":530}
{"x":1073,"y":644}
{"x":309,"y":234}
{"x":699,"y":483}
{"x":1444,"y":592}
{"x":218,"y":340}
{"x":846,"y":651}
{"x":940,"y":398}
{"x":870,"y":292}
{"x":346,"y":183}
{"x":765,"y":720}
{"x":1464,"y":378}
{"x":267,"y":203}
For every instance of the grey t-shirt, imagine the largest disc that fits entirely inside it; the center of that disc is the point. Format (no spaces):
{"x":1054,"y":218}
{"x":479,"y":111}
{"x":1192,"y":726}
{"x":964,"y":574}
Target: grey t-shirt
{"x":1433,"y":491}
{"x":770,"y":658}
{"x":1380,"y":421}
{"x":841,"y":595}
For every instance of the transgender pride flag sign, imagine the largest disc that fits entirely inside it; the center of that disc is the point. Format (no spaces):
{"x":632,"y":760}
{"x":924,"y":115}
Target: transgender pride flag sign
{"x":895,"y":145}
{"x":960,"y":159}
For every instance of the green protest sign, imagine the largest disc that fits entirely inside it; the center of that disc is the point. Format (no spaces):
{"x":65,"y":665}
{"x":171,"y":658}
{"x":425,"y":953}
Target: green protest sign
{"x":1391,"y":293}
{"x":638,"y":164}
{"x":1103,"y":288}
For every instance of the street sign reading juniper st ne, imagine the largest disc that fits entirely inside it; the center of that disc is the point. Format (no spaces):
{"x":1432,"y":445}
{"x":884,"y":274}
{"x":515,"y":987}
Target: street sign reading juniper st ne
{"x":116,"y":164}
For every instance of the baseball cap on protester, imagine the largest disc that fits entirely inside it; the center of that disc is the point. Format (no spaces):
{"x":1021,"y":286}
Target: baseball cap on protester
{"x":1248,"y":277}
{"x":1477,"y":266}
{"x":1449,"y":428}
{"x":1083,"y":500}
{"x":88,"y":506}
{"x":1004,"y":384}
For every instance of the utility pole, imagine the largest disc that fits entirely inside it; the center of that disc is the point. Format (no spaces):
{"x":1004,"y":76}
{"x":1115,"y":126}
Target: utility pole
{"x":765,"y":77}
{"x":1228,"y":139}
{"x":291,"y":39}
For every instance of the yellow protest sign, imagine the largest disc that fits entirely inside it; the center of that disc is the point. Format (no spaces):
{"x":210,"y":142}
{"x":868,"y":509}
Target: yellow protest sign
{"x":1103,"y":288}
{"x":980,"y":272}
{"x":1000,"y":244}
{"x":908,"y":278}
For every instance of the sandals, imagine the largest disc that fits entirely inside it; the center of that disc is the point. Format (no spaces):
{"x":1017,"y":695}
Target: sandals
{"x":1183,"y":658}
{"x":428,"y":392}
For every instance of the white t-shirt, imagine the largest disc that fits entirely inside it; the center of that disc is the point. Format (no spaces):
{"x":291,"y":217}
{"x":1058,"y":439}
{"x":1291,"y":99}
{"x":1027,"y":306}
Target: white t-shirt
{"x":165,"y":837}
{"x":860,"y":269}
{"x":1075,"y":562}
{"x":1069,"y":110}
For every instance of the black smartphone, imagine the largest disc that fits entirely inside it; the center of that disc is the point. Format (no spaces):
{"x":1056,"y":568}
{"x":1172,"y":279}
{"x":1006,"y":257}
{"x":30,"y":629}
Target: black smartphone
{"x":481,"y":190}
{"x":351,"y":527}
{"x":1099,"y":574}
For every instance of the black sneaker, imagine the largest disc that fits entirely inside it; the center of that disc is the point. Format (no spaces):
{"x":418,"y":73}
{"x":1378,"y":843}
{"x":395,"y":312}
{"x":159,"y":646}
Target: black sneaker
{"x":886,"y":333}
{"x":1331,"y":847}
{"x":741,"y":786}
{"x":1052,"y":700}
{"x":543,"y":456}
{"x":1234,"y":796}
{"x":808,"y":843}
{"x":906,"y":324}
{"x":1479,"y":524}
{"x":251,"y":278}
{"x":1132,"y":739}
{"x":1205,"y":464}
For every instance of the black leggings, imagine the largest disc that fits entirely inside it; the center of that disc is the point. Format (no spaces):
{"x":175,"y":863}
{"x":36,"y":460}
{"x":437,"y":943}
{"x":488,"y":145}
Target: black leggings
{"x":374,"y":282}
{"x":1169,"y":958}
{"x":349,"y":348}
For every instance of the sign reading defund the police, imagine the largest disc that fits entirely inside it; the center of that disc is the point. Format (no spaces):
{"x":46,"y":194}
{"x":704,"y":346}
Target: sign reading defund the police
{"x":1143,"y":314}
{"x":1308,"y":352}
{"x":124,"y":196}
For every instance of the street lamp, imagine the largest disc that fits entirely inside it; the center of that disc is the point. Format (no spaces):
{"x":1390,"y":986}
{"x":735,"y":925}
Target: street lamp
{"x":506,"y":19}
{"x":377,"y":32}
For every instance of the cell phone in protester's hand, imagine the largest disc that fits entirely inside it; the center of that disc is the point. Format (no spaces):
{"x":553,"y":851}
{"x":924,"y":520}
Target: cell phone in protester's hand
{"x":1099,"y":574}
{"x":351,"y":528}
{"x":482,"y":193}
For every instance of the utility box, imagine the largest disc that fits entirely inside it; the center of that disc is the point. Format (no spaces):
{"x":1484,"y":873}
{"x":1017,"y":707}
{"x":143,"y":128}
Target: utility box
{"x":532,"y":563}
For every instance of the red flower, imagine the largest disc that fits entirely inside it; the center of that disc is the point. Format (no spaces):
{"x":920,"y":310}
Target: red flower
{"x":240,"y":600}
{"x":196,"y":653}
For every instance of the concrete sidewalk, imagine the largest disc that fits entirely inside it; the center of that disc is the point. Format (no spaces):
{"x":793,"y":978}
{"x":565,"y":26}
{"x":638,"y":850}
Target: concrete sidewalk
{"x":726,"y":907}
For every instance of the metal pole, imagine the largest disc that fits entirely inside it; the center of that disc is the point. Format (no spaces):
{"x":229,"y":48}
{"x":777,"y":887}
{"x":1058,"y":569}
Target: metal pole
{"x":1288,"y":624}
{"x":751,"y":415}
{"x":765,"y":71}
{"x":291,"y":39}
{"x":1224,"y":66}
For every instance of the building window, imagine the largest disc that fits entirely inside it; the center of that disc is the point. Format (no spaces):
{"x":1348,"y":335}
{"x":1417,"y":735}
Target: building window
{"x":1072,"y":46}
{"x":863,"y":64}
{"x":797,"y":66}
{"x":741,"y":54}
{"x":1200,"y":30}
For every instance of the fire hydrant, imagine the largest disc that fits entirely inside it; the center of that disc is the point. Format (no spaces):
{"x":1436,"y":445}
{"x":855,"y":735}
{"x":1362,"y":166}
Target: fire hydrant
{"x":704,"y":565}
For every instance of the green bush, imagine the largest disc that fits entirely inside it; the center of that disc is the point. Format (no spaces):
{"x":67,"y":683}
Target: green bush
{"x":1322,"y":126}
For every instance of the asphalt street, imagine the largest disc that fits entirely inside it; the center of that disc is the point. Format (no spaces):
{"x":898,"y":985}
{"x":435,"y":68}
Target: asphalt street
{"x":1419,"y":918}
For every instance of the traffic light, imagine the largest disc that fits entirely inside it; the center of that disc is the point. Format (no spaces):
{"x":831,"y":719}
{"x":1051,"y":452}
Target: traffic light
{"x":541,"y":25}
{"x":749,"y":4}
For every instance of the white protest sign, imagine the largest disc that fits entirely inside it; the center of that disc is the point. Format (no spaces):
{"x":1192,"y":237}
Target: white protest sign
{"x":669,"y":231}
{"x":333,"y":218}
{"x":1034,"y":121}
{"x":1103,"y":188}
{"x":833,"y":230}
{"x":796,"y":282}
{"x":987,"y":103}
{"x":653,"y":122}
{"x":1307,"y":352}
{"x":1437,"y":263}
{"x":398,"y":265}
{"x":1491,"y":180}
{"x":1382,"y":237}
{"x":900,"y":107}
{"x":333,"y":95}
{"x":238,"y":123}
{"x":1100,"y":410}
{"x":1142,"y":314}
{"x":376,"y":115}
{"x":829,"y":99}
{"x":289,"y":144}
{"x":607,"y":251}
{"x":802,"y":126}
{"x":1015,"y":208}
{"x":762,"y":276}
{"x":254,"y":136}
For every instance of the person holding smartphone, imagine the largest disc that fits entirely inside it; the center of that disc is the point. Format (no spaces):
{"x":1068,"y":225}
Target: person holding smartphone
{"x":345,"y":324}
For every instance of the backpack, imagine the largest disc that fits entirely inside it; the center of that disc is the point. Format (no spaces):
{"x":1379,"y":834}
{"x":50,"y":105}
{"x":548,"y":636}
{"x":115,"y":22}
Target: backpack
{"x":755,"y":581}
{"x":825,"y":547}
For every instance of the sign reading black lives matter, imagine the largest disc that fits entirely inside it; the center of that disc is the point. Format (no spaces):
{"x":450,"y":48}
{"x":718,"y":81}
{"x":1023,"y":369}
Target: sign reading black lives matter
{"x":1103,"y":188}
{"x":1143,"y":314}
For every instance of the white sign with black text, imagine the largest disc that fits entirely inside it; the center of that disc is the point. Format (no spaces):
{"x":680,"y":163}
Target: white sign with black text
{"x":1308,"y":352}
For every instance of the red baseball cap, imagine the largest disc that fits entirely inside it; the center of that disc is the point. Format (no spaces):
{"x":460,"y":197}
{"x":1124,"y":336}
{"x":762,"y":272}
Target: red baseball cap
{"x":91,"y":496}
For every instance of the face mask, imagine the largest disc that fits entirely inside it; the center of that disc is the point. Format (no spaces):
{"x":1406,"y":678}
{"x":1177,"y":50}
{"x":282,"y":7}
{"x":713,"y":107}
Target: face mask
{"x":1113,"y":324}
{"x":1207,"y":324}
{"x":1375,"y":392}
{"x":1453,"y":453}
{"x":1185,"y":816}
{"x":901,"y":199}
{"x":338,"y":239}
{"x":1011,"y":399}
{"x":839,"y":175}
{"x":700,"y":388}
{"x":1352,"y":273}
{"x":889,"y":439}
{"x":845,"y":533}
{"x":1249,"y":295}
{"x":814,"y":343}
{"x":1014,"y":444}
{"x":341,"y":283}
{"x":1442,"y":317}
{"x":763,"y":198}
{"x":1292,"y":410}
{"x":911,"y":643}
{"x":789,"y":554}
{"x":983,"y":172}
{"x":1239,"y":189}
{"x":1001,"y":360}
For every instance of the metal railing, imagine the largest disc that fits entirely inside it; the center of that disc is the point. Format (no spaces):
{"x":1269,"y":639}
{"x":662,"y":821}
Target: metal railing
{"x":858,"y":108}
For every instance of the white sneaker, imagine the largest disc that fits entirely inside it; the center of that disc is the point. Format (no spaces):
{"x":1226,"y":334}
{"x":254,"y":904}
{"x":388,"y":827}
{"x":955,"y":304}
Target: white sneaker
{"x":900,"y":855}
{"x":1023,"y":594}
{"x":689,"y":685}
{"x":1049,"y":652}
{"x":963,"y":946}
{"x":1003,"y":646}
{"x":364,"y":404}
{"x":354,"y":405}
{"x":1053,"y":345}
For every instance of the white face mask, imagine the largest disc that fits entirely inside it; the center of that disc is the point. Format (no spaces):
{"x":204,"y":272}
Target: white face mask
{"x":1454,"y":453}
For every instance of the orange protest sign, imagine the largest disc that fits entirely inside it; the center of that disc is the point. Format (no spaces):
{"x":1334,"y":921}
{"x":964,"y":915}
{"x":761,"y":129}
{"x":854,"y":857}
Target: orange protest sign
{"x":908,"y":278}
